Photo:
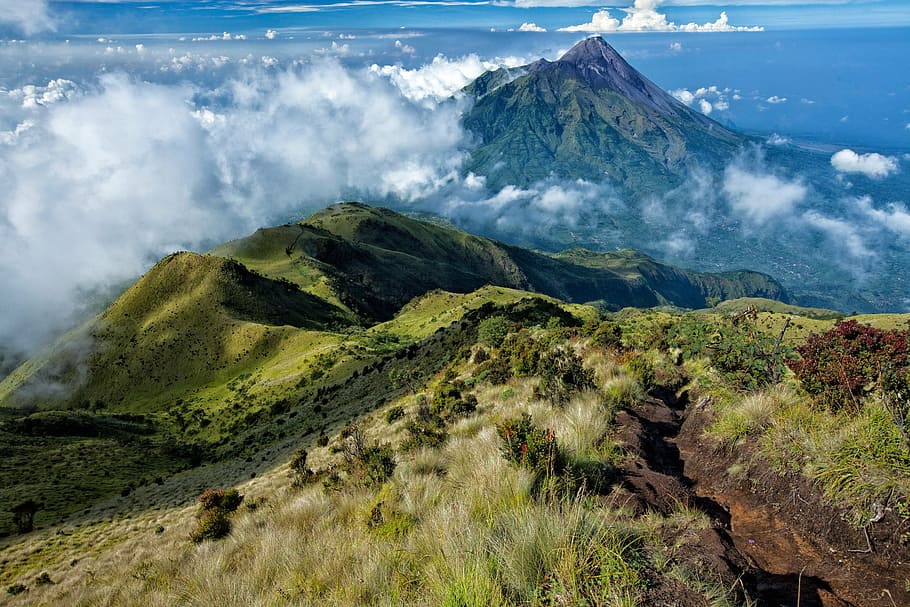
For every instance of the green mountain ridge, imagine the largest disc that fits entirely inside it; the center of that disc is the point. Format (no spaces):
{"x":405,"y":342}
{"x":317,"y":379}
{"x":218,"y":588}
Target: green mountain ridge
{"x":196,"y":320}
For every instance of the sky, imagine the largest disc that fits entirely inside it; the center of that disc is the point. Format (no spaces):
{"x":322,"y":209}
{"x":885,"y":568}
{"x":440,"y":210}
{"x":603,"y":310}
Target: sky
{"x":132,"y":129}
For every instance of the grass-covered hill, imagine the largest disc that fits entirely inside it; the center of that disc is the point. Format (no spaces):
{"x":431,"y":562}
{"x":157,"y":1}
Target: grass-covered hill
{"x":375,"y":261}
{"x":555,"y":457}
{"x":205,"y":353}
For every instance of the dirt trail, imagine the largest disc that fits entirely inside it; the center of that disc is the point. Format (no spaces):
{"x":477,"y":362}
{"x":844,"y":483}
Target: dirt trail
{"x":786,"y":547}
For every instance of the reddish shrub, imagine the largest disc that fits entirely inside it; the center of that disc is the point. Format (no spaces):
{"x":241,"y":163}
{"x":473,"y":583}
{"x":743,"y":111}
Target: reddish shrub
{"x":841,"y":365}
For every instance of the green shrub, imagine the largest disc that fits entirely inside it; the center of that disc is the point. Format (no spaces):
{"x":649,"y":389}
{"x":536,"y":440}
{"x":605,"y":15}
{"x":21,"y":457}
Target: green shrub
{"x":642,"y":369}
{"x":746,"y":356}
{"x":322,"y":440}
{"x":15,"y":589}
{"x":561,"y":376}
{"x":526,"y":445}
{"x":301,"y":474}
{"x":449,"y":403}
{"x":608,"y":334}
{"x":377,"y":464}
{"x":212,"y":525}
{"x":491,"y":331}
{"x":426,"y":429}
{"x":394,"y":414}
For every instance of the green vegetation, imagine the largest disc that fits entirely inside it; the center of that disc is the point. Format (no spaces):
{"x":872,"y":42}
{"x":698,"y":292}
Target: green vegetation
{"x":465,"y":449}
{"x":559,"y":118}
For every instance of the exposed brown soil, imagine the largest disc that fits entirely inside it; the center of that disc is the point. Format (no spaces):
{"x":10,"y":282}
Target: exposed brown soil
{"x":771,"y":535}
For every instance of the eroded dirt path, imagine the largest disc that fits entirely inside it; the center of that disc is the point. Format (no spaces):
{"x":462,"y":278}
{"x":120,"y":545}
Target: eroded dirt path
{"x":769,"y":532}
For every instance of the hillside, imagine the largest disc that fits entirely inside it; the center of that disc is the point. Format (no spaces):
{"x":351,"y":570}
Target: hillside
{"x":352,"y":247}
{"x":588,"y":115}
{"x":625,"y":461}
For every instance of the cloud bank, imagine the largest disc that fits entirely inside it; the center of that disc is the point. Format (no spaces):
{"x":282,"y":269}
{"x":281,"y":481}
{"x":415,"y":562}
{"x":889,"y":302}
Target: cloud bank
{"x":643,"y":16}
{"x":101,"y":184}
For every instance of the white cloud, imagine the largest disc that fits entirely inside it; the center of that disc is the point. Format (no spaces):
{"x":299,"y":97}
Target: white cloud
{"x":759,"y":196}
{"x":32,"y":96}
{"x":271,"y":34}
{"x":774,"y":99}
{"x":839,"y":232}
{"x":407,"y":49}
{"x":128,"y":172}
{"x":895,"y":217}
{"x":525,"y":211}
{"x":776,"y":139}
{"x":709,"y":98}
{"x":531,"y":27}
{"x":676,"y":47}
{"x":226,"y":36}
{"x":30,"y":16}
{"x":441,"y":78}
{"x":872,"y":165}
{"x":643,"y":16}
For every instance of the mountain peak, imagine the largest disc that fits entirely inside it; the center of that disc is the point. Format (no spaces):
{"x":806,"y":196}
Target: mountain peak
{"x":599,"y":65}
{"x":591,"y":50}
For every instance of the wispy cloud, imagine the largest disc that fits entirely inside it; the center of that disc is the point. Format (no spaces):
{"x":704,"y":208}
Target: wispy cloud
{"x":313,"y":8}
{"x":30,"y":16}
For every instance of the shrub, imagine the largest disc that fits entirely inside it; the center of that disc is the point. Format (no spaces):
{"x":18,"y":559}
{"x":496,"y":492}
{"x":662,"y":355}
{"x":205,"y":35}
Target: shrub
{"x":322,"y":440}
{"x":219,"y":499}
{"x":24,"y":515}
{"x":215,"y":506}
{"x":525,"y":445}
{"x":394,"y":414}
{"x":377,"y":464}
{"x":212,"y":525}
{"x":427,"y":429}
{"x":642,"y":369}
{"x":448,"y":402}
{"x":746,"y":356}
{"x":561,"y":375}
{"x":15,"y":589}
{"x":608,"y":334}
{"x":839,"y":366}
{"x":491,"y":331}
{"x":301,"y":474}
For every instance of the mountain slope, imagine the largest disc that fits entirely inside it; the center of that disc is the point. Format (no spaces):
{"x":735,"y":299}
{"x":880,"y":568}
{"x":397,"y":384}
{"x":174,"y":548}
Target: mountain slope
{"x":190,"y":320}
{"x":377,"y":260}
{"x":588,"y":115}
{"x":194,"y":323}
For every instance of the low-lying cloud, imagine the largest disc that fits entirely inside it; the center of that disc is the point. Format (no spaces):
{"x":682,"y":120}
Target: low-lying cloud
{"x":760,"y":197}
{"x":872,"y":165}
{"x":102,"y":183}
{"x":442,"y":77}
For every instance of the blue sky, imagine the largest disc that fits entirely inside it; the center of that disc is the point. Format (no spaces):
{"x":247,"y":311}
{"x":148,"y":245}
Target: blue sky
{"x":67,"y":17}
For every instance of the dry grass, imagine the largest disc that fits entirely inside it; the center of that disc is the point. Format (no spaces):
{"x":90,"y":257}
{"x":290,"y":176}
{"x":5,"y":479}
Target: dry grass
{"x":457,"y":525}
